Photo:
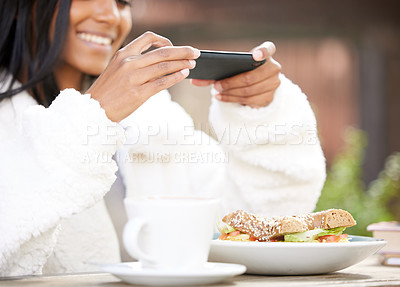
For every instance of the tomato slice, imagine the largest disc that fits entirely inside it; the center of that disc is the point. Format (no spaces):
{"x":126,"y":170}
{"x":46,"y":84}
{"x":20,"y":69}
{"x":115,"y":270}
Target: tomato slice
{"x":237,"y":236}
{"x":223,"y":236}
{"x":234,"y":233}
{"x":332,"y":238}
{"x":328,"y":238}
{"x":252,"y":238}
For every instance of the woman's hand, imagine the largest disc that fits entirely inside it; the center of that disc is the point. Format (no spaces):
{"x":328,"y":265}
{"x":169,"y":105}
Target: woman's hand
{"x":132,"y":77}
{"x":254,"y":88}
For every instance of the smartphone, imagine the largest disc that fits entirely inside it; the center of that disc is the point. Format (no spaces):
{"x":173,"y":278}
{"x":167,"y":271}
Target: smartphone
{"x":218,"y":65}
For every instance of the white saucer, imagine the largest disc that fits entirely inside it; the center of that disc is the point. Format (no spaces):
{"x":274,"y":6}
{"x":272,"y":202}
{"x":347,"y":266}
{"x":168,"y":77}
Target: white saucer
{"x":134,"y":273}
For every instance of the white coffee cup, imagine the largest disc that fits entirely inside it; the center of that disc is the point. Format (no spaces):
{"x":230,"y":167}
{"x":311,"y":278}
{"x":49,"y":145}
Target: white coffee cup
{"x":170,"y":232}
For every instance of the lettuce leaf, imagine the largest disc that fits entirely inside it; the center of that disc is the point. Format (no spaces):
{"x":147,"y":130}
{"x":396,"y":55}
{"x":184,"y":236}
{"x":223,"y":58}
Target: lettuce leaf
{"x":224,"y":228}
{"x":333,"y":231}
{"x":311,"y":235}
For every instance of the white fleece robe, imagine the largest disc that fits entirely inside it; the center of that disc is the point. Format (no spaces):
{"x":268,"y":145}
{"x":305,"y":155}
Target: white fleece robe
{"x":57,"y":164}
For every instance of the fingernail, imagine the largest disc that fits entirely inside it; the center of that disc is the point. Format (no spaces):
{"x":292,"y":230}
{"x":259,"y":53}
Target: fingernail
{"x":196,"y":52}
{"x":218,"y":97}
{"x":218,"y":86}
{"x":185,"y":72}
{"x":271,"y":49}
{"x":192,"y":63}
{"x":258,"y":55}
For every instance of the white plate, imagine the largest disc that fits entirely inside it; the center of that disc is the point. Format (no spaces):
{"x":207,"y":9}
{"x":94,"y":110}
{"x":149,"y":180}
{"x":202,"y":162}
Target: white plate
{"x":133,"y":273}
{"x":286,"y":258}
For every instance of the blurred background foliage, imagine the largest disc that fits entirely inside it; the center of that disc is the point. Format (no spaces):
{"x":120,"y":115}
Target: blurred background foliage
{"x":345,"y":189}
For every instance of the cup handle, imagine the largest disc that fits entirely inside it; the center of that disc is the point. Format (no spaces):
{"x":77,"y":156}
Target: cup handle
{"x":130,"y":238}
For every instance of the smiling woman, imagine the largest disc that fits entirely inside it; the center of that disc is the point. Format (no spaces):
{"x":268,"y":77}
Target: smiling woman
{"x":71,"y":98}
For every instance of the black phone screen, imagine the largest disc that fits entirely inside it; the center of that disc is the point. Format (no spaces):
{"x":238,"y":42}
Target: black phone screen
{"x":217,"y":65}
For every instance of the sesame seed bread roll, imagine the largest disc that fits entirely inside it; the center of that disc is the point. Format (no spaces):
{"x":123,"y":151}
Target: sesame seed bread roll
{"x":264,"y":228}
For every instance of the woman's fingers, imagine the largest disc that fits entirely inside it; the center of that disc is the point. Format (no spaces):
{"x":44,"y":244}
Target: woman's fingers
{"x":254,"y":88}
{"x":256,"y":101}
{"x":133,"y":52}
{"x":269,"y":69}
{"x":265,"y":85}
{"x":162,"y":83}
{"x":143,"y":43}
{"x":163,"y":54}
{"x":161,"y":69}
{"x":264,"y":51}
{"x":133,"y":76}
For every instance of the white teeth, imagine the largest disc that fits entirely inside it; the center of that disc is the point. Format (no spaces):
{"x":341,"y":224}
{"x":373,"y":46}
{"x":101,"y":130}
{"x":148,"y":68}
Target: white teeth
{"x":95,"y":39}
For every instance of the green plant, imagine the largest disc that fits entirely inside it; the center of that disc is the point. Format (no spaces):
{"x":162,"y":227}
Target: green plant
{"x":344,"y":189}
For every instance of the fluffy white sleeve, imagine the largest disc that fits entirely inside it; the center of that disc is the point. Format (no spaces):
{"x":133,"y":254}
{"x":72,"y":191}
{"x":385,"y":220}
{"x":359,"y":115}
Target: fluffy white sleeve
{"x":55,"y":162}
{"x":275,"y":159}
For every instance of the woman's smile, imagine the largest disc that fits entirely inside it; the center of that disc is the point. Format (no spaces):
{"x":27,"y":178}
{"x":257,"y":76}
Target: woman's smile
{"x":95,"y":39}
{"x":97,"y":29}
